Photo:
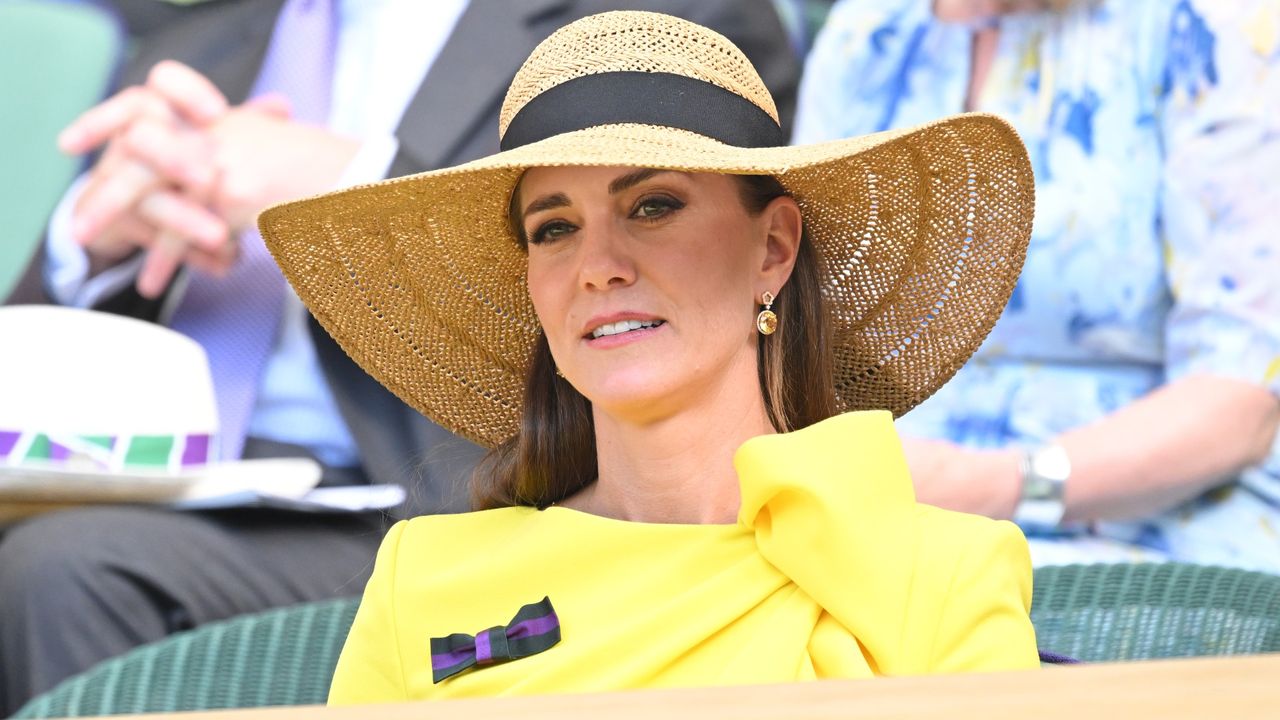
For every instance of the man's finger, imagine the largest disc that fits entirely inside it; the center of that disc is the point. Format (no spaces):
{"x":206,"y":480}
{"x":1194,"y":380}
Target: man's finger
{"x":101,"y":122}
{"x":108,"y":197}
{"x":131,"y":231}
{"x":217,"y":264}
{"x":192,"y":94}
{"x":275,"y":104}
{"x":163,"y":259}
{"x":180,"y":156}
{"x":203,"y":262}
{"x":180,"y":215}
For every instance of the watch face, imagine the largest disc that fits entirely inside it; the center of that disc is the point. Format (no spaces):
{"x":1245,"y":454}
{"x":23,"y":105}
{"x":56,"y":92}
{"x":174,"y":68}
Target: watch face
{"x":1045,"y":474}
{"x":1035,"y":487}
{"x":1052,"y":463}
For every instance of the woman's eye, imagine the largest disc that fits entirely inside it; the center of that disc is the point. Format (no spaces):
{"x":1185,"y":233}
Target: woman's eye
{"x":653,"y":208}
{"x":550,"y":232}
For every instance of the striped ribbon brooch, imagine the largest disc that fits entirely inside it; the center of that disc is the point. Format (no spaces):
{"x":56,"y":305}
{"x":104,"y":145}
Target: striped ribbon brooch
{"x":534,"y":629}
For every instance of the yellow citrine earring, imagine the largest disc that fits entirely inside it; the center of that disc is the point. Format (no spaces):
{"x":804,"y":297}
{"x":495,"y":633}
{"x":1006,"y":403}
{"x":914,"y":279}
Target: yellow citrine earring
{"x":767,"y":321}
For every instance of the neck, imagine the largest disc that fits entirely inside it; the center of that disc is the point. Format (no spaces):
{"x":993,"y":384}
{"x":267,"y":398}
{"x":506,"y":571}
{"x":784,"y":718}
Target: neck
{"x":678,"y":469}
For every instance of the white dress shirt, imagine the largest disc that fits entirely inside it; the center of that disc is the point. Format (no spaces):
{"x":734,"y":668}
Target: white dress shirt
{"x":384,"y":50}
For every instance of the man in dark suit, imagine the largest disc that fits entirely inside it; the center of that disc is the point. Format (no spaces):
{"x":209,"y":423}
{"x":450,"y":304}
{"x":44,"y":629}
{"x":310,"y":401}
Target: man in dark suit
{"x":187,"y":164}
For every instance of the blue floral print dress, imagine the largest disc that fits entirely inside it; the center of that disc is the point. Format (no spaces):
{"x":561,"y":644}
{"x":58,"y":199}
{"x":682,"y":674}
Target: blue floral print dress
{"x":1154,"y":131}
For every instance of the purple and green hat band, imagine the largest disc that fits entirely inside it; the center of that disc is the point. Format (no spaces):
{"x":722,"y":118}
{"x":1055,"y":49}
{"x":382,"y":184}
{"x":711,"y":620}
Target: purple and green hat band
{"x":110,"y":453}
{"x":535,"y":628}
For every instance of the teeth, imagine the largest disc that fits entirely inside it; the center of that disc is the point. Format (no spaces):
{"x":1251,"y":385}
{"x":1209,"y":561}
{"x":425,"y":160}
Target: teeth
{"x":623,"y":326}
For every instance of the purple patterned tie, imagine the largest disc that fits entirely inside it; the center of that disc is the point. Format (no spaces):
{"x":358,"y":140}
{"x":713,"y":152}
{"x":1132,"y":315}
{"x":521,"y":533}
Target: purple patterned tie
{"x":237,"y":318}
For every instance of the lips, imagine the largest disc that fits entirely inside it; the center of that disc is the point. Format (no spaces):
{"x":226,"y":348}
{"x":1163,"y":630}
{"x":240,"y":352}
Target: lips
{"x":618,"y":326}
{"x":622,"y":326}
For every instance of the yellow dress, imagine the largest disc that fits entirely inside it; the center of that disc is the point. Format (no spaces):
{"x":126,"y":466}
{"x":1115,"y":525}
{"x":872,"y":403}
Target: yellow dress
{"x":832,"y":570}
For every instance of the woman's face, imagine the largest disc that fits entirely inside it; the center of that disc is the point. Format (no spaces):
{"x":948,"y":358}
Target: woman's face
{"x":647,"y":282}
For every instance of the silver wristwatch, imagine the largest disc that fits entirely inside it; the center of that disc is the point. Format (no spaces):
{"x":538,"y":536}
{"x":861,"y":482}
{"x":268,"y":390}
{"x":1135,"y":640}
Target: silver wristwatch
{"x":1044,"y":479}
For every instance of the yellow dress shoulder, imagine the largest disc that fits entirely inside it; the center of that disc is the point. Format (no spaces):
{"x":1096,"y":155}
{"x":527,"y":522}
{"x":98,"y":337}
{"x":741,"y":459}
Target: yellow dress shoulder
{"x":832,"y":570}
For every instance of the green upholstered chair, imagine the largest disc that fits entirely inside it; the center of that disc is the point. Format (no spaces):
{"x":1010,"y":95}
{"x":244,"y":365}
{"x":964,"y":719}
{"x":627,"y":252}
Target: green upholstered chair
{"x":56,"y":61}
{"x":279,"y":657}
{"x":1156,"y":610}
{"x":287,"y":656}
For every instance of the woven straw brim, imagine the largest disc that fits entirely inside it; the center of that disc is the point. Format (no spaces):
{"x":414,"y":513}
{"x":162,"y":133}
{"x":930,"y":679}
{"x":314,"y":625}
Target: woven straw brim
{"x":920,"y":233}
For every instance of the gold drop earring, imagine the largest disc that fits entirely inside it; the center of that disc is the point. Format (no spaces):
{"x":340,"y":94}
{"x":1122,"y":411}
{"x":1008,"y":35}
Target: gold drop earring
{"x":767,"y":321}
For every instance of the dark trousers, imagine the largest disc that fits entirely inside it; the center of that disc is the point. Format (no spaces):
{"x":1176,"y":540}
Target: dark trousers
{"x":80,"y":586}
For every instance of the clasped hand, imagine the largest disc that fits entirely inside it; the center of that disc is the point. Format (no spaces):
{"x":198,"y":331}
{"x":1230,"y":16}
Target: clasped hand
{"x":183,"y":172}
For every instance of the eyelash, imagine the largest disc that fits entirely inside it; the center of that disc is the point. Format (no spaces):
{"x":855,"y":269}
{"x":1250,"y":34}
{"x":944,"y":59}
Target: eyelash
{"x":667,"y":204}
{"x":539,"y":236}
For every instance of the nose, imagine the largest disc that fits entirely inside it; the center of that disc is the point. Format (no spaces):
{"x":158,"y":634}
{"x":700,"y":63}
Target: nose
{"x":604,"y":257}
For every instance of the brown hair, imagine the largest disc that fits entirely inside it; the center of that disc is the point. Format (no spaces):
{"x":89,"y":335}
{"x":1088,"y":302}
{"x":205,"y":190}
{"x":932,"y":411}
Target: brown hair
{"x":554,"y":454}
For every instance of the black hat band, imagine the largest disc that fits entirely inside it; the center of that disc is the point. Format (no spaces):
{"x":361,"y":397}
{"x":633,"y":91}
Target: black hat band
{"x":646,"y":98}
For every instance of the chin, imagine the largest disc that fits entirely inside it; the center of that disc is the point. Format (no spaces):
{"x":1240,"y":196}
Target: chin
{"x":631,"y":391}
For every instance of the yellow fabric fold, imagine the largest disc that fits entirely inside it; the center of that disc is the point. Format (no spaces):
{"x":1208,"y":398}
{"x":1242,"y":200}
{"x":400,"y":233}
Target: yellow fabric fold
{"x":833,"y":570}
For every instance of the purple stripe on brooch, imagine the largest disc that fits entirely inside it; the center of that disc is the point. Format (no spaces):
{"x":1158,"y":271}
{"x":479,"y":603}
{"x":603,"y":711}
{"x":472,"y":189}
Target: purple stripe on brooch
{"x":484,"y":651}
{"x":536,"y":626}
{"x":196,"y":451}
{"x":449,"y":659}
{"x":8,"y":440}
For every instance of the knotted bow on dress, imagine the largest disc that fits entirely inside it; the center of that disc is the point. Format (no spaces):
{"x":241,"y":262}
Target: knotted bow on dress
{"x":832,"y":570}
{"x":534,"y":629}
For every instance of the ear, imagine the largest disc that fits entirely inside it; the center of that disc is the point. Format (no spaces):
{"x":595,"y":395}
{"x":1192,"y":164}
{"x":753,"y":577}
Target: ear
{"x":783,"y":226}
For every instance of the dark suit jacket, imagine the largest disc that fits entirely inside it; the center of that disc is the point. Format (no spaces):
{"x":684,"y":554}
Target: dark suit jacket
{"x":453,"y":118}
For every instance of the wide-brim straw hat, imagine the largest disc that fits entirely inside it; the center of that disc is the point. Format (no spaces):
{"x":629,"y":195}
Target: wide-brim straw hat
{"x":920,"y":233}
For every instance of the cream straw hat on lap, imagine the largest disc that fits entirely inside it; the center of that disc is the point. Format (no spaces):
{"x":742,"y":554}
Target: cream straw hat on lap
{"x":100,"y":408}
{"x":920,"y":233}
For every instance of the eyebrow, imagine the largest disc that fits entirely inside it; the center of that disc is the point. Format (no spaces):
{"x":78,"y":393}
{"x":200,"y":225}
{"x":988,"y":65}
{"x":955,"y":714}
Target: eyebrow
{"x":619,"y":184}
{"x":547,"y":202}
{"x":631,"y":179}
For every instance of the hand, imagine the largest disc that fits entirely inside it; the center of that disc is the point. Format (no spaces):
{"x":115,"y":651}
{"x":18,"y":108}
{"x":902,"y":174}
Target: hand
{"x":145,"y":191}
{"x":259,"y":158}
{"x":182,"y":174}
{"x":216,"y":251}
{"x":983,"y":482}
{"x":263,"y":158}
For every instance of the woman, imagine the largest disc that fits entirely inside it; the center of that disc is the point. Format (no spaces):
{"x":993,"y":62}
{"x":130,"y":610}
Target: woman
{"x":1125,"y":406}
{"x":658,"y":348}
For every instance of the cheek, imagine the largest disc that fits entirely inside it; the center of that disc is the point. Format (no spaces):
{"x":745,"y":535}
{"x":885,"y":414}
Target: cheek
{"x":714,"y":278}
{"x":549,"y":299}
